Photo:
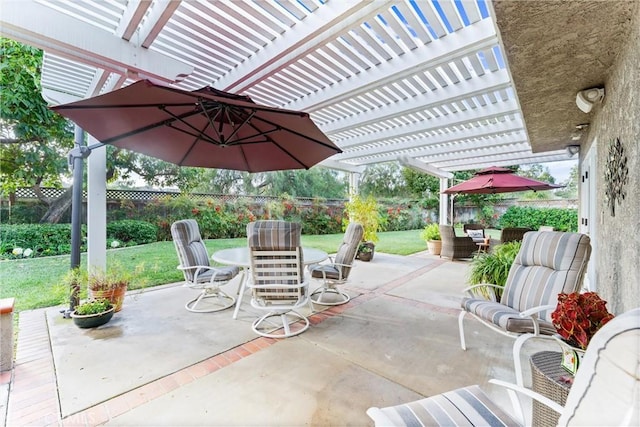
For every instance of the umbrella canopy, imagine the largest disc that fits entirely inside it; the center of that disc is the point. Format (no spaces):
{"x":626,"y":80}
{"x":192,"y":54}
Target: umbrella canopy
{"x":498,"y":180}
{"x":203,"y":128}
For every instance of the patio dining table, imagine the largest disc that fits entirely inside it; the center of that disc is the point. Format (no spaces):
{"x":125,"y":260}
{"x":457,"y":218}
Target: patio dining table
{"x":240,"y":257}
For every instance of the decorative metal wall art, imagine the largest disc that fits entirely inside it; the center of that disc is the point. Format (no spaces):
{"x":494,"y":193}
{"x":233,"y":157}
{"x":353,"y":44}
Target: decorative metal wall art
{"x":616,"y":175}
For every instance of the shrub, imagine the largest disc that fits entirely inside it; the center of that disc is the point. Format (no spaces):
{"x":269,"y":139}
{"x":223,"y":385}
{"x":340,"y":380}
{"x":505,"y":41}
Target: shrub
{"x":131,"y":232}
{"x":41,"y":239}
{"x":533,"y":218}
{"x":494,"y":267}
{"x":430,"y":232}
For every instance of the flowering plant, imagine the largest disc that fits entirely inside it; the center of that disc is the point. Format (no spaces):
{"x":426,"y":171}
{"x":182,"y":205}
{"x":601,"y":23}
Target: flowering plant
{"x":578,"y":317}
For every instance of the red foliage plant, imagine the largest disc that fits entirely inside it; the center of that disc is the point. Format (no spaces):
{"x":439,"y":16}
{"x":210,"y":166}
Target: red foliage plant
{"x":579,"y":316}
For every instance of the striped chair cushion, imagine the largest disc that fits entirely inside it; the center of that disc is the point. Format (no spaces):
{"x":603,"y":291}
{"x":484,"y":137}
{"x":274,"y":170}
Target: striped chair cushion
{"x":189,"y":245}
{"x":547,"y":264}
{"x":606,"y":388}
{"x":468,"y":406}
{"x":331,"y":271}
{"x":271,"y":235}
{"x":349,"y":246}
{"x":504,"y":317}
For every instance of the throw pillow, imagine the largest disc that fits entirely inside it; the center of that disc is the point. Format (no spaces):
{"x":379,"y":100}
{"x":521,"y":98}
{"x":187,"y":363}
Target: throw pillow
{"x":476,"y":235}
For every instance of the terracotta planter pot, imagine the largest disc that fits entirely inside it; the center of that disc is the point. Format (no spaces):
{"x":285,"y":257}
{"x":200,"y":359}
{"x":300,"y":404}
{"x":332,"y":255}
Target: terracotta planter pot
{"x":366,"y":256}
{"x":434,"y":246}
{"x":116,"y":296}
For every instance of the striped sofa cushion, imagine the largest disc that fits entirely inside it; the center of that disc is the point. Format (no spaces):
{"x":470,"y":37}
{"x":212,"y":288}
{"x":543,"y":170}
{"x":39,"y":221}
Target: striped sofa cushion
{"x":548,"y":263}
{"x":468,"y":406}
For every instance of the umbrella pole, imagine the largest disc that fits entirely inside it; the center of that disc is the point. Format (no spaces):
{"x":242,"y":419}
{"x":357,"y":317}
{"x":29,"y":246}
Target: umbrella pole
{"x":76,"y":162}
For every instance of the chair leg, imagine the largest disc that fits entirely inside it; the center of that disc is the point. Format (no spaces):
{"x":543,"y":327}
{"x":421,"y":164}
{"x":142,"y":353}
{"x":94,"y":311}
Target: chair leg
{"x":517,"y":347}
{"x":344,"y":297}
{"x":461,"y":329}
{"x":224,"y":301}
{"x":241,"y":290}
{"x":285,"y":326}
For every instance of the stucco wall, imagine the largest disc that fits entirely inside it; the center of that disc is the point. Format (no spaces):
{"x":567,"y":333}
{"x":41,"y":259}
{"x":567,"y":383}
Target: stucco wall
{"x":618,"y":256}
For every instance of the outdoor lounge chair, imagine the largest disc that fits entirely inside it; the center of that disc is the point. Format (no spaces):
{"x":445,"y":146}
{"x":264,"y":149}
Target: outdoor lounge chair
{"x":513,"y":234}
{"x":605,"y":390}
{"x":456,"y":247}
{"x":547,"y":264}
{"x":198,"y":273}
{"x":336,"y":272}
{"x":277,"y":277}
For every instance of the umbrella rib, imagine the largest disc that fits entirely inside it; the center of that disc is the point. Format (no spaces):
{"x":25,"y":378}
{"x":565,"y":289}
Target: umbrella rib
{"x":337,"y":149}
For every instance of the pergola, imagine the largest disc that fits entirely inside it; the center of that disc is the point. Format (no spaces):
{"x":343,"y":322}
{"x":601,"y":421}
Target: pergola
{"x":425,"y":83}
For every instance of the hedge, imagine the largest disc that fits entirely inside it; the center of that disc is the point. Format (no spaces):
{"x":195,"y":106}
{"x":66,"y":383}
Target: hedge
{"x":533,"y":218}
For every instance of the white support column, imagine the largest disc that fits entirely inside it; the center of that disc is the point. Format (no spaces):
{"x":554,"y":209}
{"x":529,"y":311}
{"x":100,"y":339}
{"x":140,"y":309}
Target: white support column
{"x":97,"y":207}
{"x":444,"y":205}
{"x":354,"y":179}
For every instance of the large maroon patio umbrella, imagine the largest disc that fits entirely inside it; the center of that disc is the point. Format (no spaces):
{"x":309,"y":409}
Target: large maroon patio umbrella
{"x":203,"y":128}
{"x":498,"y":180}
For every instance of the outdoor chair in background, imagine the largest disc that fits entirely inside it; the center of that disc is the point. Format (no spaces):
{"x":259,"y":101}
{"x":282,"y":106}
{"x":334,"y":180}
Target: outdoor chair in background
{"x":198,"y":273}
{"x":456,"y":246}
{"x":547,"y":264}
{"x":545,"y":228}
{"x":605,"y":390}
{"x":475,"y":231}
{"x":336,"y":272}
{"x":277,"y":278}
{"x":513,"y":234}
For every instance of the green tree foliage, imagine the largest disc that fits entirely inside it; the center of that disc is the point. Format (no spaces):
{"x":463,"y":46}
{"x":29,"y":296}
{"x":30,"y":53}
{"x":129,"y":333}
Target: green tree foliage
{"x":34,"y":139}
{"x":570,"y":191}
{"x":383,"y":180}
{"x":317,"y":181}
{"x":541,"y":173}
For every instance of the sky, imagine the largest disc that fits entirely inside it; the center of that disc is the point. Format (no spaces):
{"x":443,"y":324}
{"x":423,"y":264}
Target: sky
{"x":560,"y":170}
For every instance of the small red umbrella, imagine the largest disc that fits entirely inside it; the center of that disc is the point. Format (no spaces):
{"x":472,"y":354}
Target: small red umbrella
{"x":498,"y":180}
{"x":203,"y":128}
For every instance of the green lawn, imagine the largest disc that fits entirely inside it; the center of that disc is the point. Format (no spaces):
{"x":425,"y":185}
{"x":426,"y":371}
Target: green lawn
{"x":36,"y":282}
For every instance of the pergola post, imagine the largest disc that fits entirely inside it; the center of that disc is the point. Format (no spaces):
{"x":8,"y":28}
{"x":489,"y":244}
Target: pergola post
{"x":444,"y":206}
{"x":354,"y":179}
{"x":97,"y":209}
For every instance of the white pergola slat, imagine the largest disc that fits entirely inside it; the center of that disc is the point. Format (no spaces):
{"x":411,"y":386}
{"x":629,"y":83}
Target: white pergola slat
{"x":384,"y":80}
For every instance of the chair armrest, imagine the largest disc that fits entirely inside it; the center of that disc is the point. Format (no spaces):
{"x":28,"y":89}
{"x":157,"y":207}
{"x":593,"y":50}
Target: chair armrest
{"x":487,"y":287}
{"x":199,"y":269}
{"x":529,"y":393}
{"x":379,"y":418}
{"x":535,"y":310}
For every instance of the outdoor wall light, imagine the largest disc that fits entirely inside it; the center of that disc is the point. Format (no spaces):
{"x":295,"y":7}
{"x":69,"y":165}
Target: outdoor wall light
{"x":586,"y":98}
{"x":572,"y":150}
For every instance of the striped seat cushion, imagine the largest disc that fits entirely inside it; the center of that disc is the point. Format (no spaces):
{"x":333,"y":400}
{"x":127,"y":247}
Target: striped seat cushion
{"x":547,"y":264}
{"x":222,"y":274}
{"x":468,"y":406}
{"x":504,"y":317}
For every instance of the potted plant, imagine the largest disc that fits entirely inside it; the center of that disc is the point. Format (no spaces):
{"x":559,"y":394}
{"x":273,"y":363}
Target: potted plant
{"x":431,"y":235}
{"x":577,"y":318}
{"x":110,"y":285}
{"x":494,"y":267}
{"x":93,"y":313}
{"x":365,"y":211}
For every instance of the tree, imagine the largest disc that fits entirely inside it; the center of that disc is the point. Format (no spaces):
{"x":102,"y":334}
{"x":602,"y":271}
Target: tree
{"x":570,"y":191}
{"x":34,"y":140}
{"x":383,"y":180}
{"x":316,"y":181}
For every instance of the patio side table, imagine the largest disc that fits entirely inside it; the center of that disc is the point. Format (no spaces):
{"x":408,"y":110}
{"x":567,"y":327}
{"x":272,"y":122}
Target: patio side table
{"x":546,"y":375}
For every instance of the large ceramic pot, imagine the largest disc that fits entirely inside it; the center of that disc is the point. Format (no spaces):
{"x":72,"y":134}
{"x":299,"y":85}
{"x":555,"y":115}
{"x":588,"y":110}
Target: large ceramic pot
{"x":92,"y":320}
{"x":115,"y":296}
{"x":434,"y":246}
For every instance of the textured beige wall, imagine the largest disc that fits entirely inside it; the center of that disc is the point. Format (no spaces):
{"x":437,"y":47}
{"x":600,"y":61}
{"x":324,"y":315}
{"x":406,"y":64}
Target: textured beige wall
{"x":618,"y":257}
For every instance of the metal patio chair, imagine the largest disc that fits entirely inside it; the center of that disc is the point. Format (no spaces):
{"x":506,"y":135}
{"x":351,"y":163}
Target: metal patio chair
{"x":336,"y":272}
{"x":547,"y":264}
{"x":198,"y":273}
{"x":605,"y":390}
{"x":277,"y":277}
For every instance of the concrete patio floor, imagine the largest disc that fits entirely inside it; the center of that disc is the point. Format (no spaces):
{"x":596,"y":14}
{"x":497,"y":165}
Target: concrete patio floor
{"x":156,"y":363}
